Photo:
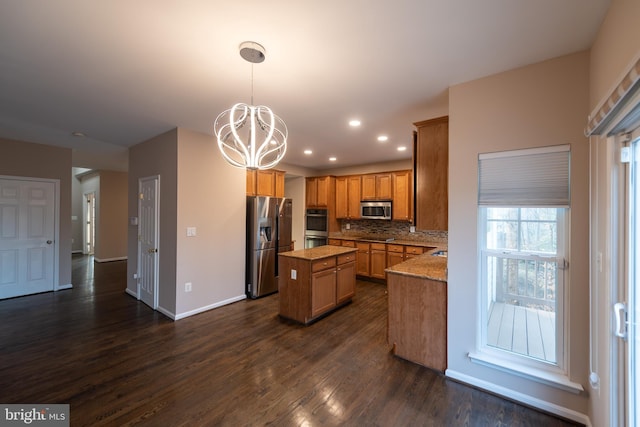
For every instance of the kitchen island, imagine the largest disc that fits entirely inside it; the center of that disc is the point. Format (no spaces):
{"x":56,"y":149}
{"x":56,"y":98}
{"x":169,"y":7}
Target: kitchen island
{"x":313,"y":282}
{"x":417,"y":323}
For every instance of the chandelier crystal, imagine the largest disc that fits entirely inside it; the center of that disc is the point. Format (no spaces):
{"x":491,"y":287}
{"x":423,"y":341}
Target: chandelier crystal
{"x":249,"y":136}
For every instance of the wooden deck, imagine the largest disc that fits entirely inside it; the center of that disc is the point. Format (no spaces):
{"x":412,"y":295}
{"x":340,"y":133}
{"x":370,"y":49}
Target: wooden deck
{"x":523,"y":330}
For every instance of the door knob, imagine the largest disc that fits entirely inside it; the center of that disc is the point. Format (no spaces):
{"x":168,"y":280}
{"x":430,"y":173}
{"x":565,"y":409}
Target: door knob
{"x":49,"y":242}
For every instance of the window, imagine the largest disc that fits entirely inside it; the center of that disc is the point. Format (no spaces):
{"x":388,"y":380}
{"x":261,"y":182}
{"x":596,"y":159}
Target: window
{"x":523,"y":203}
{"x":522,"y":261}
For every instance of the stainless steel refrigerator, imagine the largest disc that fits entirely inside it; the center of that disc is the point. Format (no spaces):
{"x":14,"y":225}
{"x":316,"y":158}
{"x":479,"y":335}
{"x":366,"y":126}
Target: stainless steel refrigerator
{"x":268,"y":233}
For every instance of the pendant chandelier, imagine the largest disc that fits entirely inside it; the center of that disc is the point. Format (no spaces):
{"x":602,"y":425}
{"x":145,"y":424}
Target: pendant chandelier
{"x":249,"y":136}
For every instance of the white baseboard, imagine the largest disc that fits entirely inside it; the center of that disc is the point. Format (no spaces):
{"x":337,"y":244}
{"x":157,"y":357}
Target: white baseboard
{"x":68,"y":286}
{"x":170,"y":314}
{"x":210,"y":307}
{"x":543,"y":405}
{"x":132,"y":293}
{"x":122,"y":258}
{"x":77,"y":252}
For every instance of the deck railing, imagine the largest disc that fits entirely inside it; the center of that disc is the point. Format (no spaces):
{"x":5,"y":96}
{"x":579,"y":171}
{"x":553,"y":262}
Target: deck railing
{"x":527,"y":280}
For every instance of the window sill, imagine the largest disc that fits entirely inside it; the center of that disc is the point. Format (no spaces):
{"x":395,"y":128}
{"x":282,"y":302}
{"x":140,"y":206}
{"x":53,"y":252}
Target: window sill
{"x":552,"y":379}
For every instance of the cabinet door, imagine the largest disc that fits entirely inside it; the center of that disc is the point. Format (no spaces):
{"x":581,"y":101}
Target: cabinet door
{"x":323,"y":291}
{"x":431,"y":154}
{"x":394,"y":258}
{"x":368,"y":187}
{"x":342,"y":197}
{"x":323,"y":191}
{"x":383,"y":186}
{"x":353,"y":190}
{"x":402,"y":196}
{"x":378,"y":256}
{"x":251,"y":182}
{"x":279,"y":180}
{"x":266,"y":183}
{"x":311,"y":192}
{"x":362,"y":267}
{"x":346,"y":282}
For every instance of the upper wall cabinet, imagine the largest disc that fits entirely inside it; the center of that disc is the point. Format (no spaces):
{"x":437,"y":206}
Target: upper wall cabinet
{"x":376,"y":186}
{"x":320,"y":191}
{"x":348,"y":196}
{"x":268,"y":182}
{"x":402,"y":186}
{"x":431,"y":162}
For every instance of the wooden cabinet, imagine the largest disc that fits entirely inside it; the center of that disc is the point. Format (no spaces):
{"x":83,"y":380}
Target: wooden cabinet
{"x":346,"y":278}
{"x":402,"y":186}
{"x":323,"y":291}
{"x":378,"y":260}
{"x":319,"y":191}
{"x":413,"y":251}
{"x":417,"y":319}
{"x":363,"y":264}
{"x":395,"y":255}
{"x":334,"y":242}
{"x":431,"y":159}
{"x":310,"y":287}
{"x":269,"y":182}
{"x":376,"y":186}
{"x":348,"y":190}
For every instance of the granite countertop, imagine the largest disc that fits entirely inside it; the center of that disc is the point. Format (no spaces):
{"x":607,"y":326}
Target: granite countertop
{"x":425,"y":266}
{"x":319,"y":252}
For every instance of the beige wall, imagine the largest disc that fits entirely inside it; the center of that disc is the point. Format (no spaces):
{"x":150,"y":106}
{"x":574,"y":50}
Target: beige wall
{"x":294,"y":188}
{"x":23,"y":159}
{"x":211,"y":197}
{"x":157,"y":156}
{"x":616,"y":47}
{"x":111,"y":226}
{"x":538,"y":105}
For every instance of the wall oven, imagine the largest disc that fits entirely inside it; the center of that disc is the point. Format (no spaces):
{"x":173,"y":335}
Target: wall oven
{"x":316,"y":228}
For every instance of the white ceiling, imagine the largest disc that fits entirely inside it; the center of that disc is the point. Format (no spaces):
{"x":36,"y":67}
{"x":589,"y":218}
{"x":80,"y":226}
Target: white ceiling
{"x":123,"y":71}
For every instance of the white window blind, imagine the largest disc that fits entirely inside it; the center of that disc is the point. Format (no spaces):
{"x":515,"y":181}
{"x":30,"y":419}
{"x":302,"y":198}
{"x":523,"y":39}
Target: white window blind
{"x":529,"y":177}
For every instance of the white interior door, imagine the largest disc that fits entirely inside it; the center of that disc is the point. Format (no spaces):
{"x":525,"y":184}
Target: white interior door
{"x":148,"y":240}
{"x":27,"y":236}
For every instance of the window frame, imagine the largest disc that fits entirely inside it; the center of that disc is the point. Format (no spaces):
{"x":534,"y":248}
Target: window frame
{"x":509,"y":360}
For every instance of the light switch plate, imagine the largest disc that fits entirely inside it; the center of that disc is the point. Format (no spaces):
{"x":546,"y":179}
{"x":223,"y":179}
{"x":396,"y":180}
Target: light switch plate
{"x":294,"y":274}
{"x":191,"y":231}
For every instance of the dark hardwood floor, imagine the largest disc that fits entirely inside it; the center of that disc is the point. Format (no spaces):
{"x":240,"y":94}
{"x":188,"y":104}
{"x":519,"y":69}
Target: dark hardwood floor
{"x":117,"y":363}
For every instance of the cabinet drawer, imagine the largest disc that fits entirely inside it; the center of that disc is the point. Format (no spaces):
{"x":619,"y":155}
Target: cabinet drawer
{"x":395,"y":248}
{"x":378,"y":246}
{"x":323,"y":264}
{"x":343,"y":259}
{"x":335,"y":242}
{"x":349,"y":243}
{"x":414,"y":250}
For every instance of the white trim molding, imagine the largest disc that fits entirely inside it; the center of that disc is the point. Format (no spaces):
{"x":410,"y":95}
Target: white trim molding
{"x":543,"y":405}
{"x":208,"y":307}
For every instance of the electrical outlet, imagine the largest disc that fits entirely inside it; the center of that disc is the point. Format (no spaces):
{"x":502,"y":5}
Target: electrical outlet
{"x":187,"y":287}
{"x":191,"y":231}
{"x":135,"y":275}
{"x":348,"y":226}
{"x":412,"y":229}
{"x":294,"y":274}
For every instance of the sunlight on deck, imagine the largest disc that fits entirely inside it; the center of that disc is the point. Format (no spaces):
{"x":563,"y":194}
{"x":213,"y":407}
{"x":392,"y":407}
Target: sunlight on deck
{"x":523,"y":330}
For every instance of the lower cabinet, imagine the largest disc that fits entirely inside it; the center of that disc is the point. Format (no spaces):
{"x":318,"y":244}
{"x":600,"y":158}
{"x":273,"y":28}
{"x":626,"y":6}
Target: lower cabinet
{"x":378,"y":258}
{"x":310,"y":288}
{"x":363,"y":268}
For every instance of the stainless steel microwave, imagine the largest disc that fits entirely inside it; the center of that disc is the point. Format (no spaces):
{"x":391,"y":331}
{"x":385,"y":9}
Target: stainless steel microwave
{"x":375,"y":210}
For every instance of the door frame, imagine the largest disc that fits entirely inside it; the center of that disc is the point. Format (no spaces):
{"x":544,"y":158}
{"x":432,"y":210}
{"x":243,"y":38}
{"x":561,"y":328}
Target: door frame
{"x":156,"y":263}
{"x":85,"y":211}
{"x":56,"y":224}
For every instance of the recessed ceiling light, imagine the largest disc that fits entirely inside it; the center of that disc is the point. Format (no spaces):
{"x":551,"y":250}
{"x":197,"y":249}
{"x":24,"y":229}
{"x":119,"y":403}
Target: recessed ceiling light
{"x":78,"y":134}
{"x":402,"y":148}
{"x":383,"y":138}
{"x":308,"y":152}
{"x":354,"y":123}
{"x":332,"y":159}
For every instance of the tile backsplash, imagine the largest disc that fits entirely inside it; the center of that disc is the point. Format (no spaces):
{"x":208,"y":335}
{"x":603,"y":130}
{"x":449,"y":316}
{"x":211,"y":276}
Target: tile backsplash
{"x":395,"y":229}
